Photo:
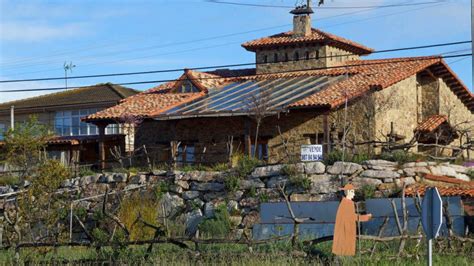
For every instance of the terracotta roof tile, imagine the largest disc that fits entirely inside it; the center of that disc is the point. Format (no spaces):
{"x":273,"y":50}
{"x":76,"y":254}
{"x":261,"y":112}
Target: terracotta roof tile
{"x":370,"y":74}
{"x":362,"y":76}
{"x":444,"y":191}
{"x":431,"y":123}
{"x":316,"y":36}
{"x":450,"y":180}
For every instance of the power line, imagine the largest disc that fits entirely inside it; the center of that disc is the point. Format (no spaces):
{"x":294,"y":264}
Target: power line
{"x":256,"y":75}
{"x":322,"y":7}
{"x":229,"y":65}
{"x":22,"y":65}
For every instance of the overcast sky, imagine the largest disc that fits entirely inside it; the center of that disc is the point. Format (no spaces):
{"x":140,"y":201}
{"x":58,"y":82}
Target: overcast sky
{"x":37,"y":37}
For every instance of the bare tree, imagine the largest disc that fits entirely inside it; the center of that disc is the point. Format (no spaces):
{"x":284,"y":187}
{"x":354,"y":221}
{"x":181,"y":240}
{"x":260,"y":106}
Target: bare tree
{"x":259,"y":108}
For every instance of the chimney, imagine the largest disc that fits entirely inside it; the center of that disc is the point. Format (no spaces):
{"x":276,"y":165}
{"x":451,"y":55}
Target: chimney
{"x":302,"y":20}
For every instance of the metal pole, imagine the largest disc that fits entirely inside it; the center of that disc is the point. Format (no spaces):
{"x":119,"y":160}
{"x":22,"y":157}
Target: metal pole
{"x":472,"y":42}
{"x":12,"y":117}
{"x":430,"y":252}
{"x":70,"y":224}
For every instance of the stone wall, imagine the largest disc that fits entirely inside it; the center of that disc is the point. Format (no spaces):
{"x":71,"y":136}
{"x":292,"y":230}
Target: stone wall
{"x":193,"y":196}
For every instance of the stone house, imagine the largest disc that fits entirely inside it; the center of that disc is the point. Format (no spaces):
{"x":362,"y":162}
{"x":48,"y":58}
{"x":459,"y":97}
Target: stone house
{"x":297,"y":94}
{"x":74,"y":141}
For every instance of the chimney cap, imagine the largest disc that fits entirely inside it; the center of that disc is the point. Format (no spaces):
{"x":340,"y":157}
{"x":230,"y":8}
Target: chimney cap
{"x":302,"y":10}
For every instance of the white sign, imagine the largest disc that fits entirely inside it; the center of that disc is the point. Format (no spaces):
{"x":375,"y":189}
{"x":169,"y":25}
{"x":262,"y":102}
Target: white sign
{"x":311,"y":153}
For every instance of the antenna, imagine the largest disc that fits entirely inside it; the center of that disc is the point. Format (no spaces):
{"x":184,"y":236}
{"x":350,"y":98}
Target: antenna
{"x":67,"y":67}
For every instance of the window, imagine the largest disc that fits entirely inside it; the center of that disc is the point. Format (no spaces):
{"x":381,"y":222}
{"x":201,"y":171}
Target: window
{"x":297,"y":56}
{"x":275,"y":57}
{"x":265,"y":59}
{"x":317,"y":54}
{"x":186,"y":86}
{"x":286,"y":57}
{"x":307,"y":56}
{"x":262,"y":151}
{"x":185,"y":154}
{"x":3,"y":129}
{"x":68,"y":123}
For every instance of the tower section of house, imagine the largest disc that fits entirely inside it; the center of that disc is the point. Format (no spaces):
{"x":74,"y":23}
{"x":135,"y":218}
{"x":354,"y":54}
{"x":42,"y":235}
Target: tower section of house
{"x":303,"y":48}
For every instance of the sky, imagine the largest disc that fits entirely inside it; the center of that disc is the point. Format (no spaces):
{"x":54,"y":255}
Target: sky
{"x":112,"y":36}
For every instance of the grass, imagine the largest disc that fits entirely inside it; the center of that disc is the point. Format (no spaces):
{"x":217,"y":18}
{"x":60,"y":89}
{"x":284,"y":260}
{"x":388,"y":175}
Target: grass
{"x":235,"y":254}
{"x":9,"y":180}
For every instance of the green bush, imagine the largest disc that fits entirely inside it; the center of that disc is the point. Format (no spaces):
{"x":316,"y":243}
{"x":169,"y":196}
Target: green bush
{"x":399,"y":156}
{"x":100,"y":236}
{"x":9,"y":180}
{"x":359,"y":158}
{"x":161,"y":188}
{"x":246,"y":164}
{"x":332,"y":157}
{"x":300,"y":181}
{"x":365,"y":192}
{"x":232,"y":183}
{"x":220,"y":167}
{"x":289,"y":170}
{"x":217,"y":226}
{"x":470,"y":173}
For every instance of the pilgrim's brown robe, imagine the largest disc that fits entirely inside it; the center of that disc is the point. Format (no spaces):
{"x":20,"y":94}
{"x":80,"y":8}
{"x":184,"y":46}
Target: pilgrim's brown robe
{"x":344,"y":243}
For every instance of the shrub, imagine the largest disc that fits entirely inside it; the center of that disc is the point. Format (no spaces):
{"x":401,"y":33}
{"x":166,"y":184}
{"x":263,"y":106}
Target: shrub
{"x":246,"y":165}
{"x":289,"y":170}
{"x":217,"y":226}
{"x":9,"y":180}
{"x":220,"y":167}
{"x":100,"y":236}
{"x":399,"y":156}
{"x":300,"y":181}
{"x":132,"y":208}
{"x":365,"y":192}
{"x":51,"y":174}
{"x":359,"y":158}
{"x":332,"y":157}
{"x":470,"y":173}
{"x":161,"y":188}
{"x":232,"y":183}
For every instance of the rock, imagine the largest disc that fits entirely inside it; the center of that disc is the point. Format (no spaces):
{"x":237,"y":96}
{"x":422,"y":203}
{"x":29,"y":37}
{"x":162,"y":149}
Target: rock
{"x":212,"y":186}
{"x":237,"y":195}
{"x":323,"y":184}
{"x":463,"y":177}
{"x":275,"y":181}
{"x":380,"y":163}
{"x":106,"y":178}
{"x":237,"y":234}
{"x":250,"y":219}
{"x":232,"y":206}
{"x":131,"y":186}
{"x":359,"y":182}
{"x":202,"y":176}
{"x":209,"y":196}
{"x":300,"y":168}
{"x":458,"y":168}
{"x":249,"y":202}
{"x":343,"y":168}
{"x":442,"y":170}
{"x":380,"y":174}
{"x":267,"y":171}
{"x":235,"y":220}
{"x":251,"y":183}
{"x":172,"y":204}
{"x":159,"y":172}
{"x":120,"y":177}
{"x":404,"y":181}
{"x":67,"y":183}
{"x":209,"y":209}
{"x":387,"y":186}
{"x":388,"y":180}
{"x":181,"y":183}
{"x":190,"y":195}
{"x":198,"y":202}
{"x":86,"y":180}
{"x":312,"y":197}
{"x":138,"y":179}
{"x":176,"y":189}
{"x":192,"y":220}
{"x":4,"y":189}
{"x":314,"y":168}
{"x":412,"y":171}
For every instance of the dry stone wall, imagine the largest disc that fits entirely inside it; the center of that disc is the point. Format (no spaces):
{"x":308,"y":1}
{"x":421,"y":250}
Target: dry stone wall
{"x":193,"y":196}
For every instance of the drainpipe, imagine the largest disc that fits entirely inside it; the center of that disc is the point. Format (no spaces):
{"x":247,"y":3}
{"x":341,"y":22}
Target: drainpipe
{"x":12,"y":117}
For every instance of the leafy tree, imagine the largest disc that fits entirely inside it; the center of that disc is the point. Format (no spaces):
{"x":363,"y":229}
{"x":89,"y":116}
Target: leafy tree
{"x":23,"y":146}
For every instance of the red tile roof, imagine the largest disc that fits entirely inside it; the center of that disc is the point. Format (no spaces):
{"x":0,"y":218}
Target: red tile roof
{"x":449,"y":180}
{"x":363,"y":76}
{"x":431,"y":123}
{"x":316,"y":36}
{"x":444,"y":191}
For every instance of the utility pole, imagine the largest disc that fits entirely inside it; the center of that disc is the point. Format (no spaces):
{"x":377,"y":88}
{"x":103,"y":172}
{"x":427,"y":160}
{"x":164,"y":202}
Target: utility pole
{"x":12,"y":117}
